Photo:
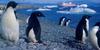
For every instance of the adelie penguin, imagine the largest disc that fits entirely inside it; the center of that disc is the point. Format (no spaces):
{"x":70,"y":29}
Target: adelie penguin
{"x":82,"y":29}
{"x":62,"y":21}
{"x":67,"y":22}
{"x":33,"y":30}
{"x":9,"y":23}
{"x":94,"y":36}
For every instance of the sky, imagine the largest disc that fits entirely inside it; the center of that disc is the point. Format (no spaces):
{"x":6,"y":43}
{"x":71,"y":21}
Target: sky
{"x":50,"y":1}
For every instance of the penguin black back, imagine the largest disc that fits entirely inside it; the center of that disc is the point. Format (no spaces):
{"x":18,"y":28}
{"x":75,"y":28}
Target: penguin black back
{"x":79,"y":29}
{"x":34,"y":23}
{"x":98,"y":33}
{"x":33,"y":20}
{"x":97,"y":24}
{"x":98,"y":37}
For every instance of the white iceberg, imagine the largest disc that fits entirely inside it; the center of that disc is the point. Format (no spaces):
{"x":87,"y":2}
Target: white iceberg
{"x":67,"y":4}
{"x":82,"y":5}
{"x":66,"y":12}
{"x":43,"y":9}
{"x":82,"y":10}
{"x":51,"y":6}
{"x":79,"y":9}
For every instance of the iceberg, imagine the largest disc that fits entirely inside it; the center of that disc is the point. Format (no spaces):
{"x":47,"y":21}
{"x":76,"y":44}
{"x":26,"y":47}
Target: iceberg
{"x":82,"y":10}
{"x":43,"y":9}
{"x":66,"y":12}
{"x":79,"y":9}
{"x":51,"y":6}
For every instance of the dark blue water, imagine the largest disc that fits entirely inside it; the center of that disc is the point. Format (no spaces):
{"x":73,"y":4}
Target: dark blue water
{"x":75,"y":18}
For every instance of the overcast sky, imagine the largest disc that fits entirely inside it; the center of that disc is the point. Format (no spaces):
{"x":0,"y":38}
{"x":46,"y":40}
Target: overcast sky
{"x":49,"y":1}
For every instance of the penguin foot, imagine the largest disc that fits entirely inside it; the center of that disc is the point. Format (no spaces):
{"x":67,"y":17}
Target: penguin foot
{"x":26,"y":40}
{"x":78,"y":41}
{"x":41,"y":42}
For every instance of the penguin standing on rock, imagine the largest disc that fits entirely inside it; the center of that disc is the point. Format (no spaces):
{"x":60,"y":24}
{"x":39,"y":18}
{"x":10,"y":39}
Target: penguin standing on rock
{"x":82,"y":29}
{"x":33,"y":30}
{"x":94,"y":36}
{"x":9,"y":23}
{"x":62,"y":21}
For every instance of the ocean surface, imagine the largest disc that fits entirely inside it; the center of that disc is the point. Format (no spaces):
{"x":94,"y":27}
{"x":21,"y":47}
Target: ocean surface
{"x":54,"y":17}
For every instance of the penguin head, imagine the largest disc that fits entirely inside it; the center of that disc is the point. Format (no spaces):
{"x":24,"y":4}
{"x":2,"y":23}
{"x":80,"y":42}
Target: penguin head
{"x":12,"y":4}
{"x":86,"y":17}
{"x":37,"y":14}
{"x":68,"y":19}
{"x":62,"y":18}
{"x":97,"y":24}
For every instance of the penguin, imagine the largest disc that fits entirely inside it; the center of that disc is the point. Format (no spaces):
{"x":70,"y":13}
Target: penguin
{"x":82,"y":29}
{"x":34,"y":25}
{"x":67,"y":22}
{"x":9,"y":23}
{"x":94,"y":36}
{"x":62,"y":21}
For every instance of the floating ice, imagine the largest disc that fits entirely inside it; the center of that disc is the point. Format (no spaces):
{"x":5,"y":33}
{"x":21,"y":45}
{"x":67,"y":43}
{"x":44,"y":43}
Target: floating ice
{"x":78,"y":10}
{"x":43,"y":9}
{"x":51,"y":6}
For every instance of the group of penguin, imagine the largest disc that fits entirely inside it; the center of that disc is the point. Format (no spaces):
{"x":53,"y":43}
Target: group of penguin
{"x":64,"y":21}
{"x":82,"y":33}
{"x":10,"y":27}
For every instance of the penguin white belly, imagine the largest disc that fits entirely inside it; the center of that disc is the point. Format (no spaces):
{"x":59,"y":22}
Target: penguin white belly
{"x":87,"y":24}
{"x":93,"y":38}
{"x":84,"y":33}
{"x":10,"y":25}
{"x":32,"y":36}
{"x":67,"y":23}
{"x":84,"y":36}
{"x":62,"y":22}
{"x":94,"y":41}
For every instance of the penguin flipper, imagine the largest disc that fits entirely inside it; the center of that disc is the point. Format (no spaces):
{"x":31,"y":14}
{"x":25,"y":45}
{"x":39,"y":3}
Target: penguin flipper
{"x":27,"y":19}
{"x":86,"y":31}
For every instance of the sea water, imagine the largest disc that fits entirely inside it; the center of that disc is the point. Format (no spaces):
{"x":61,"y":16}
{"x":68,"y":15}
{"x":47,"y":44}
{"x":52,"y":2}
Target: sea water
{"x":54,"y":17}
